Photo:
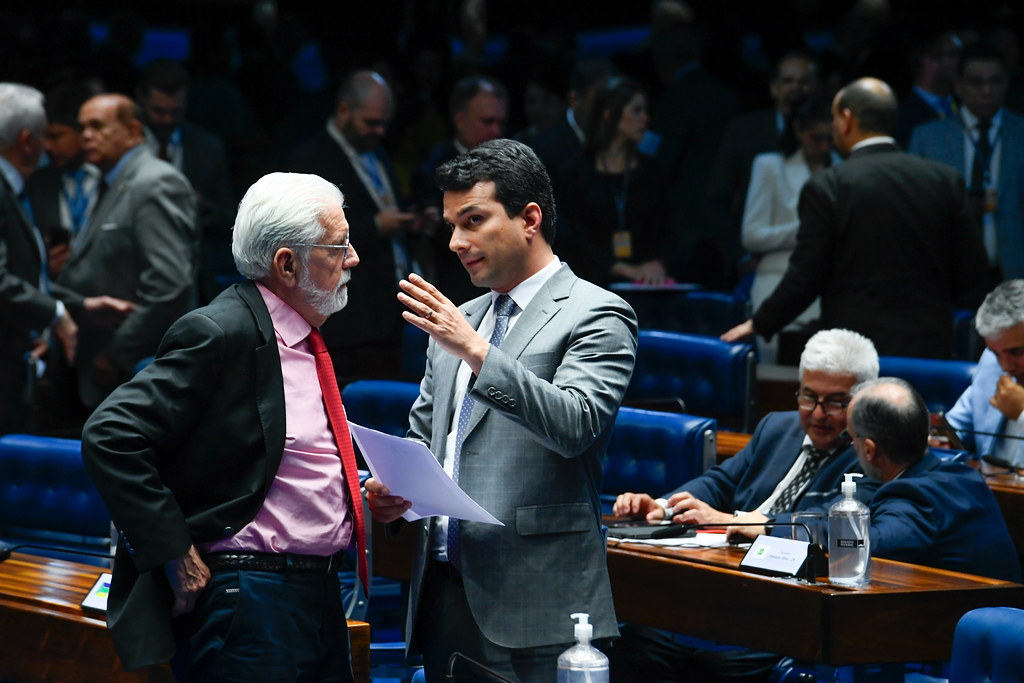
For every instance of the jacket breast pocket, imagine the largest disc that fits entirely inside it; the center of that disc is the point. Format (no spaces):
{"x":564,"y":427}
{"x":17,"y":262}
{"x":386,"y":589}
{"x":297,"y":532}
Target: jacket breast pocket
{"x":563,"y":518}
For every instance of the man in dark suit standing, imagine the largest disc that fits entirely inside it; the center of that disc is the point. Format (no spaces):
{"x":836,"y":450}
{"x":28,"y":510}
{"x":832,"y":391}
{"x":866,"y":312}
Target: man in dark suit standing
{"x":886,"y":239}
{"x":519,"y":398}
{"x":27,"y":309}
{"x":140,"y":244}
{"x":226,"y":468}
{"x":365,"y":339}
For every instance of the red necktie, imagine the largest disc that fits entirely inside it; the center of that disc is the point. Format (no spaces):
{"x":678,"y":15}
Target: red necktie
{"x":339,"y":425}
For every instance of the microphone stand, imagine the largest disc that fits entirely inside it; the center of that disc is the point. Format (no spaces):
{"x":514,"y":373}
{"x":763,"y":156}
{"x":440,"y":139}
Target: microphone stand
{"x":490,"y":672}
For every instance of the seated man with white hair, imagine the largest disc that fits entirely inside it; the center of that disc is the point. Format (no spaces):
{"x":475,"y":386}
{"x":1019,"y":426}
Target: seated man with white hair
{"x":989,"y":415}
{"x":793,"y":459}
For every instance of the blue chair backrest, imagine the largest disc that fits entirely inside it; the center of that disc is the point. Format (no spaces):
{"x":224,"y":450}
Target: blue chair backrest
{"x":712,"y":377}
{"x":414,"y":352}
{"x":940,"y":382}
{"x":653,"y":452}
{"x":710,"y":313}
{"x":380,"y":404}
{"x":47,"y":498}
{"x":988,"y":645}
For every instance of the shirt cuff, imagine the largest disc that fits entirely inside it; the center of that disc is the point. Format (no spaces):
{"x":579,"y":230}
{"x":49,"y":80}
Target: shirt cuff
{"x":60,"y":310}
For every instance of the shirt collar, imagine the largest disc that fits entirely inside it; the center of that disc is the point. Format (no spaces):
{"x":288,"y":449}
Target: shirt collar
{"x":937,"y":102}
{"x":524,"y":292}
{"x":876,"y":140}
{"x":111,"y":175}
{"x":14,"y":178}
{"x":288,"y":323}
{"x":971,"y":121}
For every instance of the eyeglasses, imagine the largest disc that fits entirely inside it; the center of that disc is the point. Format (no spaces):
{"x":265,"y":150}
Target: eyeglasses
{"x":832,"y":407}
{"x":343,"y":247}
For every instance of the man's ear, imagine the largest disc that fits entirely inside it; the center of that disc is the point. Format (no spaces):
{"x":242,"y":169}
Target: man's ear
{"x":532,"y":216}
{"x":870,"y":451}
{"x":284,"y":267}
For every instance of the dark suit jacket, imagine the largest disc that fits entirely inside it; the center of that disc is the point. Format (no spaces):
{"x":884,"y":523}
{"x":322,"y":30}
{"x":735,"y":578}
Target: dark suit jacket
{"x":373,"y":316}
{"x":24,"y":308}
{"x":914,"y":111}
{"x":185,"y":452}
{"x":745,"y":480}
{"x":546,"y":402}
{"x":204,"y":162}
{"x":747,"y":136}
{"x":887,"y":241}
{"x":44,"y":189}
{"x":942,"y":514}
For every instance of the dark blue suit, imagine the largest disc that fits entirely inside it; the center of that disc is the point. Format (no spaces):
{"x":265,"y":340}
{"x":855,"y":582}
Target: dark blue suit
{"x":942,"y":514}
{"x":745,"y":480}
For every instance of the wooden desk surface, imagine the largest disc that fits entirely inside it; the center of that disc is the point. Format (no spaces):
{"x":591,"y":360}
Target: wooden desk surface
{"x":907,"y":614}
{"x":48,"y":637}
{"x":1009,"y":492}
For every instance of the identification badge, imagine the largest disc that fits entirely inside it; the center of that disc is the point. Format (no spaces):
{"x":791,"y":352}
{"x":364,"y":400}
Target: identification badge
{"x":991,"y":200}
{"x":622,"y":244}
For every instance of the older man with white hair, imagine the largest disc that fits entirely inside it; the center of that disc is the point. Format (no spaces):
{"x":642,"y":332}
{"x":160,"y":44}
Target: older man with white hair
{"x":227,"y":464}
{"x":989,"y":415}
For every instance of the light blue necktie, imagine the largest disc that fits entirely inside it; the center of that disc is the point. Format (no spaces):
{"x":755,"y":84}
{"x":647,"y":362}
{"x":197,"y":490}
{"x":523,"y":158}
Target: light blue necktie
{"x":503,"y":306}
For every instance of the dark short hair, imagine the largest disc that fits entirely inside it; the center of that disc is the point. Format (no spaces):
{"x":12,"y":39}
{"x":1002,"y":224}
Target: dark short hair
{"x":63,"y":102}
{"x":812,"y":65}
{"x":163,"y":75}
{"x":471,"y":86}
{"x":518,"y":176}
{"x":811,"y":111}
{"x":981,"y":51}
{"x":875,"y":112}
{"x":899,"y":430}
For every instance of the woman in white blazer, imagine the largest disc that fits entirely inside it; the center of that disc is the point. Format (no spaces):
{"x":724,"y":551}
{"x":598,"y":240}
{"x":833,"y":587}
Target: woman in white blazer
{"x":770,"y":221}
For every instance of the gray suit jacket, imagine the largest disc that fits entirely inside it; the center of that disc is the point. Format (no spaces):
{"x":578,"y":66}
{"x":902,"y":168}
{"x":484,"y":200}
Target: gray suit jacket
{"x":533,"y":457}
{"x":141,"y":244}
{"x":943,"y":141}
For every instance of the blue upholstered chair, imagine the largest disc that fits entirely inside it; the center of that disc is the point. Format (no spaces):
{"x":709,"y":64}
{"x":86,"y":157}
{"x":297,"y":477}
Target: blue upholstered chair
{"x":653,"y":452}
{"x":710,"y":313}
{"x":47,"y":499}
{"x":380,"y":404}
{"x":988,"y":645}
{"x":414,"y":352}
{"x":655,"y":307}
{"x":713,"y":378}
{"x":940,"y":382}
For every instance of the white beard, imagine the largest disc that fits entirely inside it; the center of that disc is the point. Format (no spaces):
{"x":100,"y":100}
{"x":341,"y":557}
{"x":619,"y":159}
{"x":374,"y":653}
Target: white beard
{"x":324,"y":302}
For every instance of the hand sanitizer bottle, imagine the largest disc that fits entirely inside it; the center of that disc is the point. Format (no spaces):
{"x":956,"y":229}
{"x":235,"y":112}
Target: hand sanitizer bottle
{"x":582,"y":663}
{"x":849,"y":539}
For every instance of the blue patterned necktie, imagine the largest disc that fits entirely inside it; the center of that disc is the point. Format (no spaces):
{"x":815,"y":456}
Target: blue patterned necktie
{"x":815,"y":457}
{"x":503,"y":306}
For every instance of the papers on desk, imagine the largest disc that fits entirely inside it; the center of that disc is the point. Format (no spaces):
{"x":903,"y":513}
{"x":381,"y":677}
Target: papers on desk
{"x":701,"y":540}
{"x":409,"y":470}
{"x":97,"y":598}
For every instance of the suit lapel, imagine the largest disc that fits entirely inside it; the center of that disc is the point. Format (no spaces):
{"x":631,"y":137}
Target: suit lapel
{"x":543,"y":307}
{"x":111,"y":199}
{"x":15,"y":209}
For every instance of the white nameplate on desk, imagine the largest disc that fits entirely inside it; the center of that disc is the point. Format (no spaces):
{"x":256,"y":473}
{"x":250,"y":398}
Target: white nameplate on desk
{"x":776,"y":556}
{"x":97,"y":597}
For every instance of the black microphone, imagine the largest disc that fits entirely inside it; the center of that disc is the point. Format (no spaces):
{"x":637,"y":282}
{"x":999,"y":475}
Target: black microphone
{"x":490,"y":672}
{"x":999,"y":462}
{"x":5,"y":552}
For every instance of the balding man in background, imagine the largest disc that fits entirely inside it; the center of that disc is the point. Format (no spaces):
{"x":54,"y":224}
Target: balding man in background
{"x":140,"y":245}
{"x":348,"y":151}
{"x":886,"y":239}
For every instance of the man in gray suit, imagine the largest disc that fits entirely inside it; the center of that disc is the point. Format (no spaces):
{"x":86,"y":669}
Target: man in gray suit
{"x":985,"y":144}
{"x":521,"y":422}
{"x":140,"y":244}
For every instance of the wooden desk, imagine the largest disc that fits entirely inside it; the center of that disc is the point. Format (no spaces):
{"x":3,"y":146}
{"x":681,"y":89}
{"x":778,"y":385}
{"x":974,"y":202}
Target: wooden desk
{"x":907,"y":614}
{"x":46,"y":636}
{"x":1009,"y":492}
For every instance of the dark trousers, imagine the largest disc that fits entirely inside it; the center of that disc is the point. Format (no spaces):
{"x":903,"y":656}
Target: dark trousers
{"x":447,"y":625}
{"x":251,"y":626}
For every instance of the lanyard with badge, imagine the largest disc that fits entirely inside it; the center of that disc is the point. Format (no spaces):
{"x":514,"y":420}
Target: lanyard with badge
{"x":987,"y":193}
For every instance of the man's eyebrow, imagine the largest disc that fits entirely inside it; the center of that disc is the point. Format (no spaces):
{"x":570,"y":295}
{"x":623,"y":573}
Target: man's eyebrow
{"x":468,"y":209}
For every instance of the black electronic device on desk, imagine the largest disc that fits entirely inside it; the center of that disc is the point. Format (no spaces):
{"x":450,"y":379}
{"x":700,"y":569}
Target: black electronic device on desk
{"x":642,"y":529}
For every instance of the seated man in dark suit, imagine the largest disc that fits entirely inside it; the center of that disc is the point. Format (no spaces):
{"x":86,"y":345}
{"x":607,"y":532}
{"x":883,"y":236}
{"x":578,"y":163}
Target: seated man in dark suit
{"x":794,"y":461}
{"x":927,"y":511}
{"x":793,"y":458}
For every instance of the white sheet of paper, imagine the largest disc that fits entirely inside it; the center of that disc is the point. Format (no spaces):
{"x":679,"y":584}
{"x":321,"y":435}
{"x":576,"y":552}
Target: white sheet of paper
{"x":409,"y":470}
{"x":704,"y":540}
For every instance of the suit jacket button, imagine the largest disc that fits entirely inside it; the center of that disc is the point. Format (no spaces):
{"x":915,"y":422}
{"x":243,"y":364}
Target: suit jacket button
{"x":227,"y":531}
{"x":491,"y":391}
{"x":512,"y":403}
{"x":504,"y":399}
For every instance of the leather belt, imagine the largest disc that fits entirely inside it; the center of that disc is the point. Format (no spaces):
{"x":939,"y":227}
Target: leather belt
{"x":272,"y":562}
